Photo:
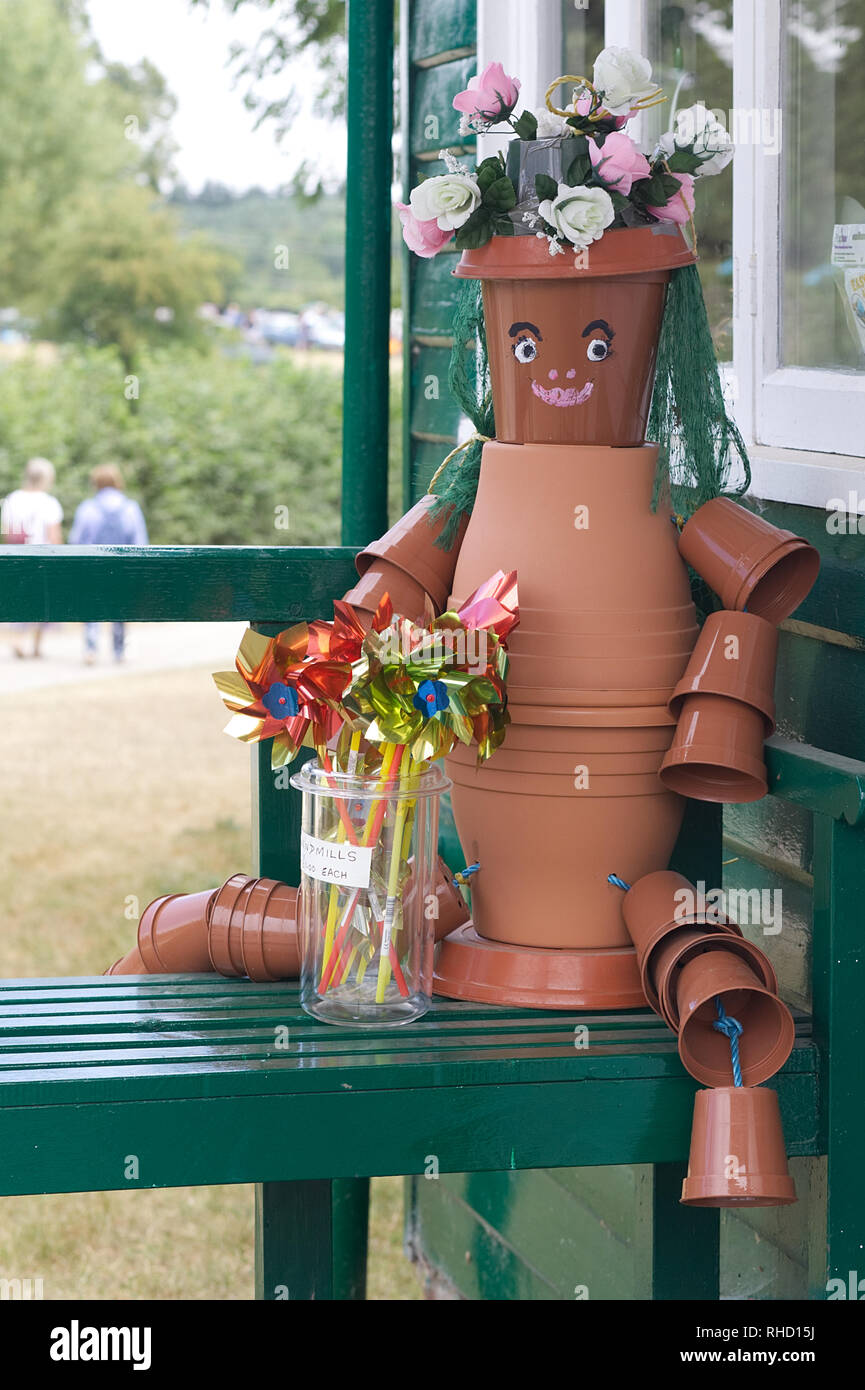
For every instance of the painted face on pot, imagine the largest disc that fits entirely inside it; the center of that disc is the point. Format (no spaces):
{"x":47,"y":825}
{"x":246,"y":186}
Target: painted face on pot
{"x":564,"y":377}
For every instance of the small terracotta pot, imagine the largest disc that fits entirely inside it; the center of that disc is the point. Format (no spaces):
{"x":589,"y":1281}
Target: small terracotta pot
{"x":737,"y":1158}
{"x":747,"y":561}
{"x":130,"y":964}
{"x":219,"y":925}
{"x":410,"y":546}
{"x":664,"y":967}
{"x":651,"y":902}
{"x":748,"y":675}
{"x":407,"y":595}
{"x":717,"y":751}
{"x":767,"y":1025}
{"x":172,"y":933}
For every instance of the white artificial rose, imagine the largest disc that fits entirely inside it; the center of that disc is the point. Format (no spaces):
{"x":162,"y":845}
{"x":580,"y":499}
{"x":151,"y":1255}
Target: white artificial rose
{"x":579,"y":215}
{"x":448,"y":199}
{"x":624,"y":78}
{"x":698,"y":130}
{"x":549,"y":124}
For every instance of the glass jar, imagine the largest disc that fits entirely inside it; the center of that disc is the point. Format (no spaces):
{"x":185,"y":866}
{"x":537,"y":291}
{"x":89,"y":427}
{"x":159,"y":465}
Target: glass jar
{"x":367,"y":895}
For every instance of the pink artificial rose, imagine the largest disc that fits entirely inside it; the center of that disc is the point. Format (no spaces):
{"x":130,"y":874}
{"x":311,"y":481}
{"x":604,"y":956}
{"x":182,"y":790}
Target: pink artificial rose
{"x":492,"y":96}
{"x":680,"y":208}
{"x":423,"y":238}
{"x":584,"y":106}
{"x":618,"y":162}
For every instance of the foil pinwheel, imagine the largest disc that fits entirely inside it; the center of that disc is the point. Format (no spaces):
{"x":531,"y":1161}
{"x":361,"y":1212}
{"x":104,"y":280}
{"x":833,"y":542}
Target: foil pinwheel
{"x":291,"y":687}
{"x":427,"y":687}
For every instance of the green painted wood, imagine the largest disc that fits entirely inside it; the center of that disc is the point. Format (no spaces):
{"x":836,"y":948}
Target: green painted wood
{"x":293,"y":1253}
{"x":839,"y":1020}
{"x":350,"y":1208}
{"x":433,"y":293}
{"x":171,"y":583}
{"x":685,"y":1244}
{"x":367,"y":270}
{"x":434,"y":122}
{"x":837,"y":600}
{"x":439,"y":28}
{"x":446,"y":1236}
{"x":826,"y":783}
{"x":434,"y":410}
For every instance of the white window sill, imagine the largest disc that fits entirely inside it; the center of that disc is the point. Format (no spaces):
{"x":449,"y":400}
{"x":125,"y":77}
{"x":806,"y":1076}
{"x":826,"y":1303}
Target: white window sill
{"x":805,"y":479}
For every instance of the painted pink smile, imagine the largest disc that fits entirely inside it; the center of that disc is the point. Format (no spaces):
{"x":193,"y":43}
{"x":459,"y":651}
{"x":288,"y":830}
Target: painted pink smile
{"x":562,"y":395}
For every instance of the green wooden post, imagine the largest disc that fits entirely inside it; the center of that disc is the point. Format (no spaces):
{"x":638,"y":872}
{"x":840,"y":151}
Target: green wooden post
{"x":839,"y":1029}
{"x":685,"y":1241}
{"x":367,"y":271}
{"x":293,"y":1240}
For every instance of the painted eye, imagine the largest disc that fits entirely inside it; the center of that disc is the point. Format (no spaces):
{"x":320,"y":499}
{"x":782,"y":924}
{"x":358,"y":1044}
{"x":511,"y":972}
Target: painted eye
{"x":598,"y":349}
{"x":526,"y":350}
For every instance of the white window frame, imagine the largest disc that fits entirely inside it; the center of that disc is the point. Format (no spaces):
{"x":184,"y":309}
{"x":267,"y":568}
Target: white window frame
{"x":805,"y":428}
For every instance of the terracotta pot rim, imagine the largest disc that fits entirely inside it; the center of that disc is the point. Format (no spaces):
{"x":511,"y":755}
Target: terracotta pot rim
{"x":752,"y":696}
{"x":659,"y":936}
{"x":776,"y":1191}
{"x":144,"y":935}
{"x":591,"y":716}
{"x":619,"y":252}
{"x":718,"y":760}
{"x":793,"y":593}
{"x":737,"y":945}
{"x":754,"y":1071}
{"x":558,"y":697}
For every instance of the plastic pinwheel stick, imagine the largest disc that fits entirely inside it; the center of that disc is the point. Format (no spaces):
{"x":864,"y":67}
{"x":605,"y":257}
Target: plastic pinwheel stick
{"x":392,"y":889}
{"x":333,"y":902}
{"x":392,"y":759}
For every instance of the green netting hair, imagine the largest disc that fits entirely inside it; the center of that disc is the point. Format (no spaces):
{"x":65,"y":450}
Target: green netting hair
{"x":701,"y":452}
{"x":456,"y":483}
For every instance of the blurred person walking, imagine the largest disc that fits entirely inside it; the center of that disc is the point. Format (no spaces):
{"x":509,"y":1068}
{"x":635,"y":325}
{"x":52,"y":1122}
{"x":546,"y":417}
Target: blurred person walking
{"x":108,"y":518}
{"x":31,"y":515}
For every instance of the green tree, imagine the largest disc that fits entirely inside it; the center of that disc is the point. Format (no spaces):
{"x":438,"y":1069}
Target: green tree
{"x":118,"y":272}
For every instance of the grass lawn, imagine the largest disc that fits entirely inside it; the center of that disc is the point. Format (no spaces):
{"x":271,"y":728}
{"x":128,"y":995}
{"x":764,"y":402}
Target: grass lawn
{"x":114,"y":792}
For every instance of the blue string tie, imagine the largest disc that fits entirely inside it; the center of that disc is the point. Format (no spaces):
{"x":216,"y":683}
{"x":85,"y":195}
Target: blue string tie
{"x":733,"y":1029}
{"x":465,"y":874}
{"x":619,"y":883}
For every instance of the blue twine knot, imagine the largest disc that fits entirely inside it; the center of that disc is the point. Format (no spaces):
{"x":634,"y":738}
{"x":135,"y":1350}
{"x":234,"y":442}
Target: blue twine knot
{"x":465,"y":874}
{"x":733,"y":1028}
{"x":618,"y":882}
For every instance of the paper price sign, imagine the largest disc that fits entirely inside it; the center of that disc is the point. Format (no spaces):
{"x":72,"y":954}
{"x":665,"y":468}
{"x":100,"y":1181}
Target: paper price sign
{"x":346,"y":865}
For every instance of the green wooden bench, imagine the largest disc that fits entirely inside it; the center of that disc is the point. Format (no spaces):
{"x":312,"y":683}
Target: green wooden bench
{"x":196,"y":1078}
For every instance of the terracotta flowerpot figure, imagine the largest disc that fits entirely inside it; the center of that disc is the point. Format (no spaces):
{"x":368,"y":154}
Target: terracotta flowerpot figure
{"x":737,"y":1155}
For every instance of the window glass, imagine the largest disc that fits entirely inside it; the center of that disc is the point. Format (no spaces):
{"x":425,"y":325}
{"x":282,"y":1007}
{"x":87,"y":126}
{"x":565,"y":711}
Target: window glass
{"x":823,"y":190}
{"x":690,"y":47}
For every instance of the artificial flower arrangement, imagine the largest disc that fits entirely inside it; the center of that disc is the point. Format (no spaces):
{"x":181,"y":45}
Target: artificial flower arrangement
{"x":606,"y":180}
{"x":378,"y":706}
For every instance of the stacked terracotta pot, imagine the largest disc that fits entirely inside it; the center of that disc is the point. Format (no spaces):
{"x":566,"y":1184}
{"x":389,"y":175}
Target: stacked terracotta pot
{"x":724,"y":702}
{"x":246,"y":927}
{"x":699,"y":973}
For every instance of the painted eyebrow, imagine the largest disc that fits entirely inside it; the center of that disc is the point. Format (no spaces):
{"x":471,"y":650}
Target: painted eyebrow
{"x":517,"y":327}
{"x":598,"y":323}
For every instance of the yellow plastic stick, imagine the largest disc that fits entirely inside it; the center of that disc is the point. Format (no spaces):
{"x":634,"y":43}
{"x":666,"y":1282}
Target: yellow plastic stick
{"x":333,"y":902}
{"x":392,"y":883}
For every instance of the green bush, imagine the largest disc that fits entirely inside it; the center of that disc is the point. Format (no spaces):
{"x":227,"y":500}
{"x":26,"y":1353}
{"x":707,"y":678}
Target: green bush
{"x":212,"y":448}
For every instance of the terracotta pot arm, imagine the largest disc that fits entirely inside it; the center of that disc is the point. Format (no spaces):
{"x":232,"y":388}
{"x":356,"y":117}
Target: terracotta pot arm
{"x":410,"y":547}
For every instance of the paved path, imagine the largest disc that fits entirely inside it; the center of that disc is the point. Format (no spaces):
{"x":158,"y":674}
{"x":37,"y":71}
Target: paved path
{"x":149,"y":647}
